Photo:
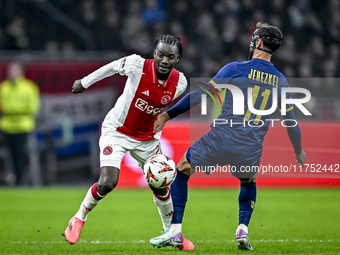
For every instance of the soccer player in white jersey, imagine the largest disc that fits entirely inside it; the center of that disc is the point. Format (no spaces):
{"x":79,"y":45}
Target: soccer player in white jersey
{"x":151,"y":85}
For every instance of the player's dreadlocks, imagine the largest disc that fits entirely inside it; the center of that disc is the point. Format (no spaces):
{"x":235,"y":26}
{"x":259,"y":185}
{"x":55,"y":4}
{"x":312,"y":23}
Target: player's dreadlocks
{"x":171,"y":40}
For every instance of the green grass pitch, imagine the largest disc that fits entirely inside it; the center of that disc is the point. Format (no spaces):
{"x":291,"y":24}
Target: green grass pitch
{"x":285,"y":221}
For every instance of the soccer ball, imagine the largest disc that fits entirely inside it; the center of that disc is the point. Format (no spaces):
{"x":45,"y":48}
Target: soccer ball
{"x":159,"y":171}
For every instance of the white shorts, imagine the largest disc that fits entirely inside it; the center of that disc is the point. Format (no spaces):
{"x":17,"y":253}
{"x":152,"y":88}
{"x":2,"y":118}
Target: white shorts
{"x":113,"y":146}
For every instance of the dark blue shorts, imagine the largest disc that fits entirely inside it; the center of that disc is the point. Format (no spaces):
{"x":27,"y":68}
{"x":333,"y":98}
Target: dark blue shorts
{"x":209,"y":151}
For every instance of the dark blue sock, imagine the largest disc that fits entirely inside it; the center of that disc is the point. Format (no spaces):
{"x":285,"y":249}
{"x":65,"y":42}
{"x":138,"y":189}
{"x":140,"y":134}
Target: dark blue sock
{"x":179,"y":195}
{"x":246,"y":200}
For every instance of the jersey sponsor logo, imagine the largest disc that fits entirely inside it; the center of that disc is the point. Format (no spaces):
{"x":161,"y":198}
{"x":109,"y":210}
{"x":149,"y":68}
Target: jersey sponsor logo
{"x":146,"y":92}
{"x":107,"y":150}
{"x":166,"y":99}
{"x":149,"y":109}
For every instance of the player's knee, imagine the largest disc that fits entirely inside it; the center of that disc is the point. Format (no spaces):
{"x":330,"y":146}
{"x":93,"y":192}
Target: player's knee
{"x":108,"y":180}
{"x":106,"y":186}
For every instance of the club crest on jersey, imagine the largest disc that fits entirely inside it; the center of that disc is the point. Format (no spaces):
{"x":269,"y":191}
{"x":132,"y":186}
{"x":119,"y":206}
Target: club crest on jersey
{"x":107,"y":150}
{"x":166,"y":99}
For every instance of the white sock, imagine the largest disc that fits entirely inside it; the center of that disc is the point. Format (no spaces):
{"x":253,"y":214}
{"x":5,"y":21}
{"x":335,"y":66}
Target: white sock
{"x":165,"y":209}
{"x":243,"y":227}
{"x":88,"y":203}
{"x":175,"y":228}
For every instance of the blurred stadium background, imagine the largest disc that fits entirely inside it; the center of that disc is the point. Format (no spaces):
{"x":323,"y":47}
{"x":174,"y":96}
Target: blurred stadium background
{"x":63,"y":40}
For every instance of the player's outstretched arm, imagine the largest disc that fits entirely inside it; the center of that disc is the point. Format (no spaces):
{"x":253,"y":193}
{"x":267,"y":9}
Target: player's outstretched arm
{"x":77,"y":87}
{"x":121,"y":66}
{"x":160,"y":121}
{"x":188,"y":101}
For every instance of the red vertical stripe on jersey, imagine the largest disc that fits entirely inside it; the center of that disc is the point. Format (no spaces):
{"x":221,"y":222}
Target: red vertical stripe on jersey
{"x":148,"y":102}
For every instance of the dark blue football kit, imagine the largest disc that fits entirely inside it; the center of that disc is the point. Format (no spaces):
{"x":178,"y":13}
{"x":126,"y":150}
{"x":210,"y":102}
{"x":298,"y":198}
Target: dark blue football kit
{"x":236,"y":139}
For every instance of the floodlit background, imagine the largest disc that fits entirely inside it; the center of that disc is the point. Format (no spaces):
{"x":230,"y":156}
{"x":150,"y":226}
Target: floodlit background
{"x":60,"y":41}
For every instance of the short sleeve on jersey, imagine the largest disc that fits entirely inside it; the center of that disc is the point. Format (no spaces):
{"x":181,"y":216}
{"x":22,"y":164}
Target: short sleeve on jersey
{"x":181,"y":86}
{"x":131,"y":64}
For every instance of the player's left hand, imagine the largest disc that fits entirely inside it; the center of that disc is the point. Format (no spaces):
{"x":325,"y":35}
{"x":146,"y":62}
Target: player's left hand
{"x":77,"y":87}
{"x":160,"y":122}
{"x":301,"y":158}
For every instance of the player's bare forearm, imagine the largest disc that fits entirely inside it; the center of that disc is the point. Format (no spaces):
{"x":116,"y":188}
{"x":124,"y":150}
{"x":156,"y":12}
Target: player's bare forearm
{"x":160,"y":121}
{"x":301,"y":158}
{"x":77,"y":87}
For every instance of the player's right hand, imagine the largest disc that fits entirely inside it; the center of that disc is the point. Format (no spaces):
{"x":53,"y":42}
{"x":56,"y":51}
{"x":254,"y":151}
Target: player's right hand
{"x":160,"y":122}
{"x":77,"y":87}
{"x":301,"y":158}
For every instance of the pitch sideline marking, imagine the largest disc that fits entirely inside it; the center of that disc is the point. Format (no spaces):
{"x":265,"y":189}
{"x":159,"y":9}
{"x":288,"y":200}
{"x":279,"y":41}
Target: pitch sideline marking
{"x":198,"y":241}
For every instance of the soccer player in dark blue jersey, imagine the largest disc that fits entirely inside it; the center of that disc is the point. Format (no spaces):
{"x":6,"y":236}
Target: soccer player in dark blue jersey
{"x":235,"y":140}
